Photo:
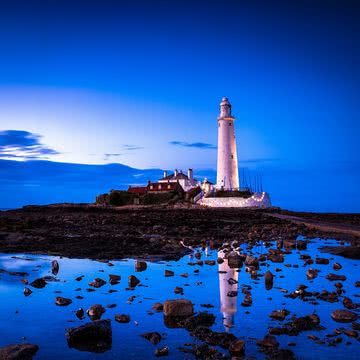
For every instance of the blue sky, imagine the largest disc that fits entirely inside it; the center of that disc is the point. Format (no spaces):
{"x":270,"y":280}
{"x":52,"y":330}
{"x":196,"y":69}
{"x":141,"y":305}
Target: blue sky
{"x":139,"y":82}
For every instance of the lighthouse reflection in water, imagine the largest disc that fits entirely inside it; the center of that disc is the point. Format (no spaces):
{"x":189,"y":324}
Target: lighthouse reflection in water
{"x":228,"y":284}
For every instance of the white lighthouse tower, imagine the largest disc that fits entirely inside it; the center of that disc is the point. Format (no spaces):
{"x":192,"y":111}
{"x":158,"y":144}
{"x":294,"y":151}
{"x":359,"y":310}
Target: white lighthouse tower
{"x":227,"y":163}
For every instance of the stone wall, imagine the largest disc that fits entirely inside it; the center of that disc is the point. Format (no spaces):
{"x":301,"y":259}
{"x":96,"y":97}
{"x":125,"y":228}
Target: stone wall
{"x":256,"y":200}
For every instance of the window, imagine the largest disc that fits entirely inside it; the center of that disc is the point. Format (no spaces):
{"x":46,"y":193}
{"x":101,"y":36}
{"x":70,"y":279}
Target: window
{"x":151,"y":187}
{"x":230,"y":123}
{"x":169,"y":187}
{"x":159,"y":187}
{"x":232,"y":156}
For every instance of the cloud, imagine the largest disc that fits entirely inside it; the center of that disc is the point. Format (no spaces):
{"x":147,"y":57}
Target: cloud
{"x":124,"y":148}
{"x":108,"y":156}
{"x":23,"y":145}
{"x":132,"y":147}
{"x":198,"y":145}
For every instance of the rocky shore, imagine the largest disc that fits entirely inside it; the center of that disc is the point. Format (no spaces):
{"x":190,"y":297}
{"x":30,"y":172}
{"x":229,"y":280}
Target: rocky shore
{"x":88,"y":231}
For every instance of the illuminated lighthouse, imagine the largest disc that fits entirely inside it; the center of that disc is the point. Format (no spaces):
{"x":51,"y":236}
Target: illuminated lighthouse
{"x":227,"y":163}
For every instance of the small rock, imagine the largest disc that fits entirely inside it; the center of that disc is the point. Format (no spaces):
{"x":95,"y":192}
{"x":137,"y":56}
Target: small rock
{"x":122,"y":318}
{"x":38,"y":283}
{"x":268,"y":341}
{"x":179,"y":307}
{"x":344,"y":316}
{"x":114,"y":279}
{"x":237,"y":348}
{"x":269,"y":280}
{"x":80,"y":313}
{"x":97,"y":283}
{"x":312,"y":273}
{"x":322,"y":261}
{"x":95,"y":311}
{"x":247,"y":300}
{"x":133,"y":281}
{"x":164,"y":351}
{"x":210,"y":262}
{"x":335,"y":277}
{"x":61,"y":301}
{"x":232,"y":293}
{"x":27,"y":291}
{"x":54,"y":267}
{"x":179,"y":290}
{"x":337,"y":266}
{"x":140,"y":266}
{"x":153,"y":337}
{"x":169,"y":273}
{"x":279,"y":314}
{"x":158,"y":307}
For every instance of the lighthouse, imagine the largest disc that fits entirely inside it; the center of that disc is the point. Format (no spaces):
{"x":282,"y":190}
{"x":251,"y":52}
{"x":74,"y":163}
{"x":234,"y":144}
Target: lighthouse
{"x":227,"y":163}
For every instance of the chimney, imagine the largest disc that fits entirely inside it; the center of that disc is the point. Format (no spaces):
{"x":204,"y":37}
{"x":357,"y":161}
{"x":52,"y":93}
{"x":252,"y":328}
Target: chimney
{"x":190,"y":174}
{"x":176,"y":172}
{"x":165,"y":173}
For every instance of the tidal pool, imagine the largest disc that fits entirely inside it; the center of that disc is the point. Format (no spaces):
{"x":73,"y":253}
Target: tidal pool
{"x":36,"y":319}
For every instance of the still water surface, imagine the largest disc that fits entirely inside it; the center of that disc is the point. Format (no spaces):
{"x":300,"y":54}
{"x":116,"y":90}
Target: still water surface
{"x":36,"y":319}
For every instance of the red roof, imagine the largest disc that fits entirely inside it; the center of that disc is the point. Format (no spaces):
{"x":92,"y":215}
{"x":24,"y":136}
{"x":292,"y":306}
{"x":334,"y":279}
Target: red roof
{"x":137,"y":189}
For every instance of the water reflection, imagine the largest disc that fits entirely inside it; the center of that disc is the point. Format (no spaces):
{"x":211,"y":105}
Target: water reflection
{"x":228,"y":283}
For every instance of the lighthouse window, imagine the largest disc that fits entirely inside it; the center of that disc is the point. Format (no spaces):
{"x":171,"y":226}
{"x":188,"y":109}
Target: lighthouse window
{"x":232,"y":156}
{"x":230,"y":123}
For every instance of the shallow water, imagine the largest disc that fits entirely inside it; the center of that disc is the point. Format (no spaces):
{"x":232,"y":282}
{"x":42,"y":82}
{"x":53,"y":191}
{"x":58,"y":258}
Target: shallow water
{"x":36,"y":319}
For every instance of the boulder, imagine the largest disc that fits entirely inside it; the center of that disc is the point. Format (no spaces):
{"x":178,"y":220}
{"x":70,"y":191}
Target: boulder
{"x":344,"y":316}
{"x":18,"y":352}
{"x":94,"y":337}
{"x":179,"y":307}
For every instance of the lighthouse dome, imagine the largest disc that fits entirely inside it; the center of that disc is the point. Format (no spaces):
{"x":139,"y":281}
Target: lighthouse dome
{"x":225,"y":108}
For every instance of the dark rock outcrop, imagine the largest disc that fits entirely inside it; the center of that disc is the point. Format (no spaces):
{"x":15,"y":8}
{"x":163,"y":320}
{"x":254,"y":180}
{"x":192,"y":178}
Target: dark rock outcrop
{"x":94,"y":337}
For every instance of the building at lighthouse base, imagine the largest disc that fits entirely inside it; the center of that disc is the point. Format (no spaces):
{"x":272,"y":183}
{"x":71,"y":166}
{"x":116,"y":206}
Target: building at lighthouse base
{"x":257,"y":199}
